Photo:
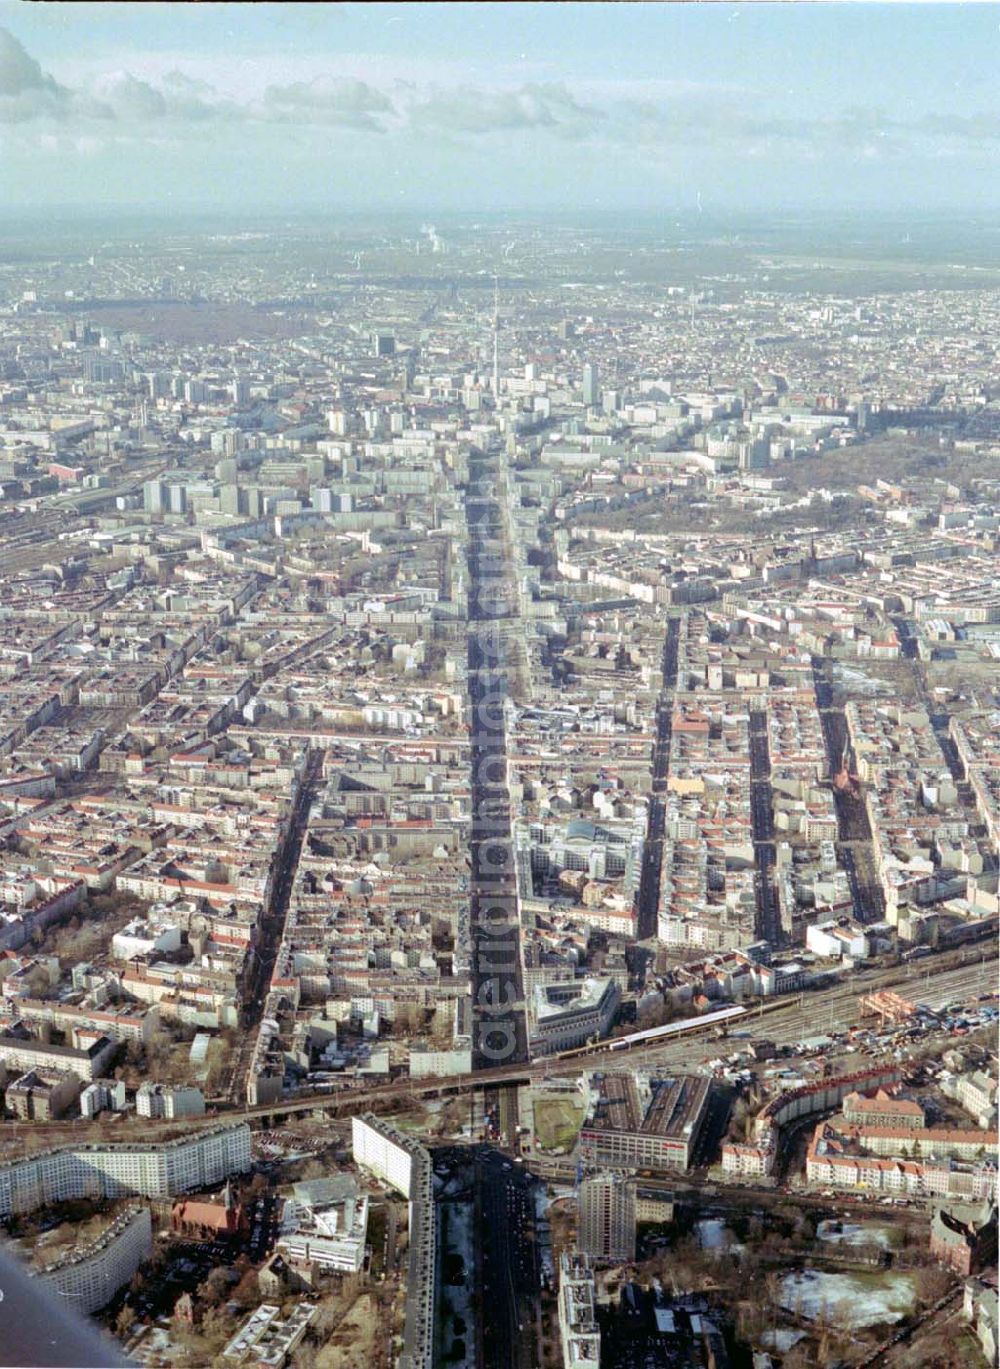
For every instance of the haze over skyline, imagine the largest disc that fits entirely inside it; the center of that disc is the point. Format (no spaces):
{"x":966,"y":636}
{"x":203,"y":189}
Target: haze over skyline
{"x":478,"y":108}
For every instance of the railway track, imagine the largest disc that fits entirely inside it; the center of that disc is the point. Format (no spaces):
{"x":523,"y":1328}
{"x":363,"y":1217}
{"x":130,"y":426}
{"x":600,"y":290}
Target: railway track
{"x":787,"y":1021}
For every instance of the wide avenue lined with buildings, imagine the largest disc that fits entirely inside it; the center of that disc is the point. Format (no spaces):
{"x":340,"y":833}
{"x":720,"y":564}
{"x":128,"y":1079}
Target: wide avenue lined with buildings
{"x":498,"y":798}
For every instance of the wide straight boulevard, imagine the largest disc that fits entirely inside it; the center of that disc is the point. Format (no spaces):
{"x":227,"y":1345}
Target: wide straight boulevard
{"x":499,"y":1030}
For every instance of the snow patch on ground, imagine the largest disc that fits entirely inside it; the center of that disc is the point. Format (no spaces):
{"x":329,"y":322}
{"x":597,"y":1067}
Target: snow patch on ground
{"x":543,"y":1201}
{"x":782,"y":1339}
{"x":712,"y":1234}
{"x":853,"y":1233}
{"x":859,"y":681}
{"x":848,"y":1300}
{"x":456,"y":1225}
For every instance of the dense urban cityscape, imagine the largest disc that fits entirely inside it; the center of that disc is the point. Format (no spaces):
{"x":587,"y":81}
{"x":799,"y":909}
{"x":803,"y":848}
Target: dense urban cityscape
{"x":432,"y":666}
{"x":499,"y":783}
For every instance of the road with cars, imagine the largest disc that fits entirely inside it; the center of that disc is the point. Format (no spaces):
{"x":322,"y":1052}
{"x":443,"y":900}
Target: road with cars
{"x":768,"y":921}
{"x":271,"y":924}
{"x":648,"y":897}
{"x":854,"y":848}
{"x":509,"y":1275}
{"x":499,"y":1025}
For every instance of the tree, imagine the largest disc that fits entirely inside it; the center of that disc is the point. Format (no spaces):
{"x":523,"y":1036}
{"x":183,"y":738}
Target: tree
{"x":124,"y":1322}
{"x":740,"y":1122}
{"x":158,"y":1050}
{"x":258,"y":1186}
{"x":215,"y":1286}
{"x":247,"y":1291}
{"x":932,"y":1284}
{"x":799,"y":1357}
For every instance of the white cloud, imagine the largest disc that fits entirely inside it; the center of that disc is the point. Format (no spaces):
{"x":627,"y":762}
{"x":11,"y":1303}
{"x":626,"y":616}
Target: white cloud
{"x":132,"y":100}
{"x":329,"y":100}
{"x":550,"y":107}
{"x":369,"y":95}
{"x":26,"y":92}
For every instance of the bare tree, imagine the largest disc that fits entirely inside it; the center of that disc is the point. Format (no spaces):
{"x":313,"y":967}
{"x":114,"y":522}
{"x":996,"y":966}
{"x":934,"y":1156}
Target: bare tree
{"x":124,"y":1322}
{"x":215,"y":1287}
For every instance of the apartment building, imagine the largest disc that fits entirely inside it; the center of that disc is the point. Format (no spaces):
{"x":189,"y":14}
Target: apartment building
{"x":607,"y":1218}
{"x":877,"y":1159}
{"x":89,"y":1277}
{"x":120,"y":1171}
{"x":579,"y":1333}
{"x":977,"y":1094}
{"x":964,"y":1236}
{"x":42,"y":1096}
{"x":25,"y":1053}
{"x":135,"y":1024}
{"x":881,"y":1109}
{"x":265,"y":1340}
{"x":169,"y":1101}
{"x":404,"y":1164}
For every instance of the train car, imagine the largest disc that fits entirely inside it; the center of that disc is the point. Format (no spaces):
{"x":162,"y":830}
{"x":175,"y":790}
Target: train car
{"x":709,"y":1021}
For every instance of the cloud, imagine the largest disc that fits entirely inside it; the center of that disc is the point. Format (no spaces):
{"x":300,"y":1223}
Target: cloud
{"x":650,"y":117}
{"x":25,"y":91}
{"x":187,"y":85}
{"x":725,"y":121}
{"x":327,"y":100}
{"x":28,"y":94}
{"x":549,"y":107}
{"x":132,"y":100}
{"x":977,"y":128}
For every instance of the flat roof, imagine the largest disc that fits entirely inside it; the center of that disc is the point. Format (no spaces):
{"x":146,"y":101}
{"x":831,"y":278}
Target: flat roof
{"x":673,"y":1108}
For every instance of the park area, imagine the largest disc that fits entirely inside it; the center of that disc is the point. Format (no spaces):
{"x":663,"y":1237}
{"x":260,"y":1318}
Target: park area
{"x":849,"y":1301}
{"x":557,"y":1122}
{"x":356,"y":1343}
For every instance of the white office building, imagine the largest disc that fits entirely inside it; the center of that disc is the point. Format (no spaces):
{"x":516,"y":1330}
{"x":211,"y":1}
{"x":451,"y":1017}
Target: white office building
{"x":564,"y":1016}
{"x":325,"y":1222}
{"x":837,"y":940}
{"x":427,"y":1063}
{"x":163,"y":1100}
{"x":103,"y":1095}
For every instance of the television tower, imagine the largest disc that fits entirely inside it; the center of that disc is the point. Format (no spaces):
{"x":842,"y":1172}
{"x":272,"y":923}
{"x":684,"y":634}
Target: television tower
{"x":496,"y":339}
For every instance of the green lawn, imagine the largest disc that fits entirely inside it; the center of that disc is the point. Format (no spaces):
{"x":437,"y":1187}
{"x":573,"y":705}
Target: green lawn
{"x":558,"y":1122}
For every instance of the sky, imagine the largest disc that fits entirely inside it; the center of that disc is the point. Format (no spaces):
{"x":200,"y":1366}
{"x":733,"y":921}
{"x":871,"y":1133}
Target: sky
{"x":492,"y":107}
